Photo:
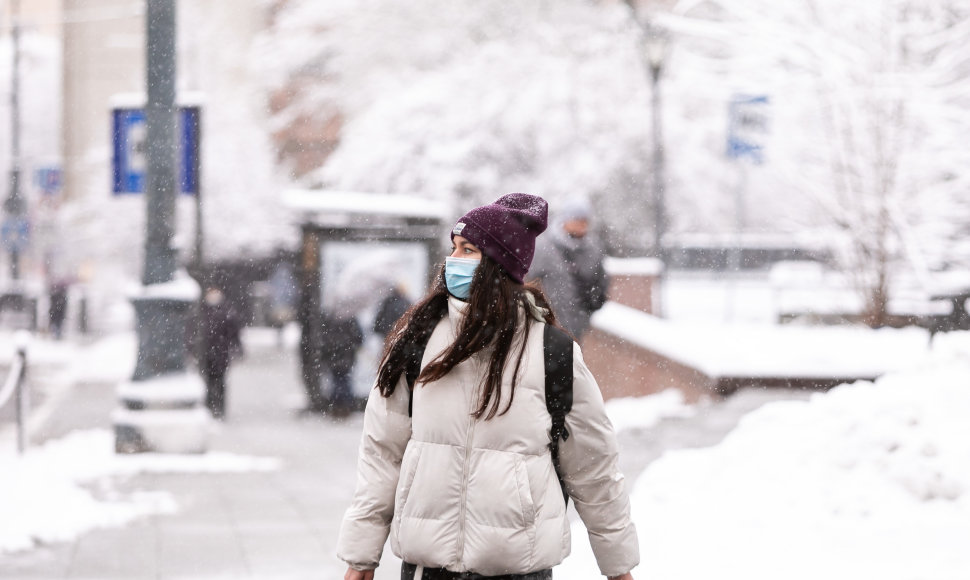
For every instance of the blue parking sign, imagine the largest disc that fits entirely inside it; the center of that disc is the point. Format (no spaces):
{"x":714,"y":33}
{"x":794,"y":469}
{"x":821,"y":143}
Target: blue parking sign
{"x":48,"y":179}
{"x":128,"y":160}
{"x":747,"y":127}
{"x":15,"y":233}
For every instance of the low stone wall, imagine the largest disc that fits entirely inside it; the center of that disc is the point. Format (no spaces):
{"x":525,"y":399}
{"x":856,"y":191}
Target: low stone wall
{"x":632,"y":282}
{"x":633,"y":291}
{"x":623,"y":369}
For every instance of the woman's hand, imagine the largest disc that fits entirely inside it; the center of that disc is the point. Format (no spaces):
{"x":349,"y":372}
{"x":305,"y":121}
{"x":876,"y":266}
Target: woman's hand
{"x":627,"y":576}
{"x":359,"y":574}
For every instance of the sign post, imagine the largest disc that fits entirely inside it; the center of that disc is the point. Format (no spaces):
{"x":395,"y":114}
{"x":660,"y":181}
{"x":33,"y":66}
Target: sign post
{"x":747,"y":127}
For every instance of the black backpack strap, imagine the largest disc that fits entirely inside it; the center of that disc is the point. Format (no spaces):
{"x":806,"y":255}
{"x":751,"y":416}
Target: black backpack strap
{"x":415,"y":352}
{"x":557,"y":350}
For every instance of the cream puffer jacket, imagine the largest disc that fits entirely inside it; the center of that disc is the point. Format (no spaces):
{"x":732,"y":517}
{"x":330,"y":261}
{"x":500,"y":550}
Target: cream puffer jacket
{"x":482,"y":496}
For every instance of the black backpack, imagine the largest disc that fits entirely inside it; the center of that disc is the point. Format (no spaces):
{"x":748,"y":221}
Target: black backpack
{"x":557,"y":349}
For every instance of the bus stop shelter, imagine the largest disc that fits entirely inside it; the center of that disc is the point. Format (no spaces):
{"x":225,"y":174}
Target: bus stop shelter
{"x":355,"y":248}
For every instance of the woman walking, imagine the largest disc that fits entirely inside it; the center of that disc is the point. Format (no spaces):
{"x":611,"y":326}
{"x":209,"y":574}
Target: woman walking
{"x":458,"y":470}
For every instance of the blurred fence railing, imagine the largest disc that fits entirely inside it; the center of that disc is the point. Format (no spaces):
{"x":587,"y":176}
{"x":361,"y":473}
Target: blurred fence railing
{"x":15,"y":386}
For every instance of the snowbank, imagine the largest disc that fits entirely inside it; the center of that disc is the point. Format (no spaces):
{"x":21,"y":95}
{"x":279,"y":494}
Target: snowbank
{"x":633,"y":266}
{"x":722,"y":350}
{"x":870,"y":480}
{"x":645,"y":412}
{"x":45,"y":496}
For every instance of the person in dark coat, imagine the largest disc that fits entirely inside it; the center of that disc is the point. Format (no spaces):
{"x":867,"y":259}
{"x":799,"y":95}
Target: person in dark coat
{"x":220,"y":331}
{"x":392,"y":308}
{"x":342,"y":336}
{"x":58,"y":308}
{"x":569,"y":265}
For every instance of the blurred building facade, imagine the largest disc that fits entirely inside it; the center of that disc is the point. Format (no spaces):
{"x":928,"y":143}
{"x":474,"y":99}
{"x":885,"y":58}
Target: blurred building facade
{"x":29,"y":114}
{"x":43,"y":16}
{"x":104,"y":55}
{"x":104,"y":67}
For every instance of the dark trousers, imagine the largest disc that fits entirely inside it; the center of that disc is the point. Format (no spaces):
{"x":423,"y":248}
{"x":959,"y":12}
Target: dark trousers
{"x":408,"y":572}
{"x":215,"y":394}
{"x":342,"y":397}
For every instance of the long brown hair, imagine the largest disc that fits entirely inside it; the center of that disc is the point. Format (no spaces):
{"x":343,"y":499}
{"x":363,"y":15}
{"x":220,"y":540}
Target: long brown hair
{"x":492,"y":319}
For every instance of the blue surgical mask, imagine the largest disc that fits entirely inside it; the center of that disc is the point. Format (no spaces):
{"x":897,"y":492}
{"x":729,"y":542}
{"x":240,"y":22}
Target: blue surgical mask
{"x":458,"y":275}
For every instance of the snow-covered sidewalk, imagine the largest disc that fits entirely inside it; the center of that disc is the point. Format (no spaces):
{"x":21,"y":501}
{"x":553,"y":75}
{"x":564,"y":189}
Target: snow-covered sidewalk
{"x":870,"y":480}
{"x":68,"y":486}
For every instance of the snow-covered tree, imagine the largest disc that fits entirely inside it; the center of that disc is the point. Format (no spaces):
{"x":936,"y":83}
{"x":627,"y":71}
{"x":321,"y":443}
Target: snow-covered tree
{"x":869,"y":119}
{"x":466,"y":100}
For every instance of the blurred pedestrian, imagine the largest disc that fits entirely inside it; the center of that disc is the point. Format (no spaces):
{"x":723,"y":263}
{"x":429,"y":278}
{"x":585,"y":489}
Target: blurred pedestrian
{"x":391,"y":309}
{"x":57,"y":309}
{"x":220,"y":331}
{"x":283,"y":297}
{"x":459,"y":470}
{"x":342,"y":336}
{"x":569,"y":266}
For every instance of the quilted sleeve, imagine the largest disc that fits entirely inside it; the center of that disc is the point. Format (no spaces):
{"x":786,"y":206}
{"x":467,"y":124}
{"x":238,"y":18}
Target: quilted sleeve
{"x":367,"y":522}
{"x":589,"y":464}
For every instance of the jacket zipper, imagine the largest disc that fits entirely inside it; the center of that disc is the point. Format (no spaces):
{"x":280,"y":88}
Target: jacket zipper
{"x":464,"y":486}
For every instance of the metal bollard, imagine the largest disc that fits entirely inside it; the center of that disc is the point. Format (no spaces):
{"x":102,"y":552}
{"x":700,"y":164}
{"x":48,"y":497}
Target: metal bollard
{"x":23,"y":400}
{"x":22,"y":339}
{"x":15,"y":383}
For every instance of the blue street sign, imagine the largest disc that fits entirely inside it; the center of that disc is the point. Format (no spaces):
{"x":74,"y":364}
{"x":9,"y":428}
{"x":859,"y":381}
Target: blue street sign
{"x":128,"y":160}
{"x":15,"y":233}
{"x":747,"y":125}
{"x":48,"y":179}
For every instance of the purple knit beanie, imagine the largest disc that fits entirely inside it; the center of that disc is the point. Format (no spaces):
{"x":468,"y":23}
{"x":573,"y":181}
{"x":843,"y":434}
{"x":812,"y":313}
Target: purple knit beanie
{"x":506,"y":230}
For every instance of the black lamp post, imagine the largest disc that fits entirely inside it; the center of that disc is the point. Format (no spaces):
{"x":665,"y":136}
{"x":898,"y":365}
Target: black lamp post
{"x":655,"y":49}
{"x":161,"y":320}
{"x":14,"y":206}
{"x":655,"y":41}
{"x":161,"y":171}
{"x":160,"y":382}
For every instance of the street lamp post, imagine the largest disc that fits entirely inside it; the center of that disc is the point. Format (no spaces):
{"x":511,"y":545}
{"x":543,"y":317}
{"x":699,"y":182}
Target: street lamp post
{"x":160,"y":321}
{"x":655,"y":48}
{"x":654,"y":40}
{"x":14,"y":205}
{"x":161,"y":404}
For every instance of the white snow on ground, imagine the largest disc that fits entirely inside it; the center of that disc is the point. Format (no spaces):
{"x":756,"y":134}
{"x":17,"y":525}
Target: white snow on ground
{"x":869,"y":480}
{"x":287,"y":337}
{"x":751,"y":350}
{"x":645,"y":412}
{"x":110,"y":359}
{"x":45,"y":496}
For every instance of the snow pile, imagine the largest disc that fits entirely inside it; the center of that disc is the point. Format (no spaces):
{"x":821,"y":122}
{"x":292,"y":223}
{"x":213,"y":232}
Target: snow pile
{"x":40,"y":350}
{"x":111,"y":359}
{"x":753,"y":350}
{"x":645,"y":412}
{"x":45,"y":496}
{"x":870,"y":480}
